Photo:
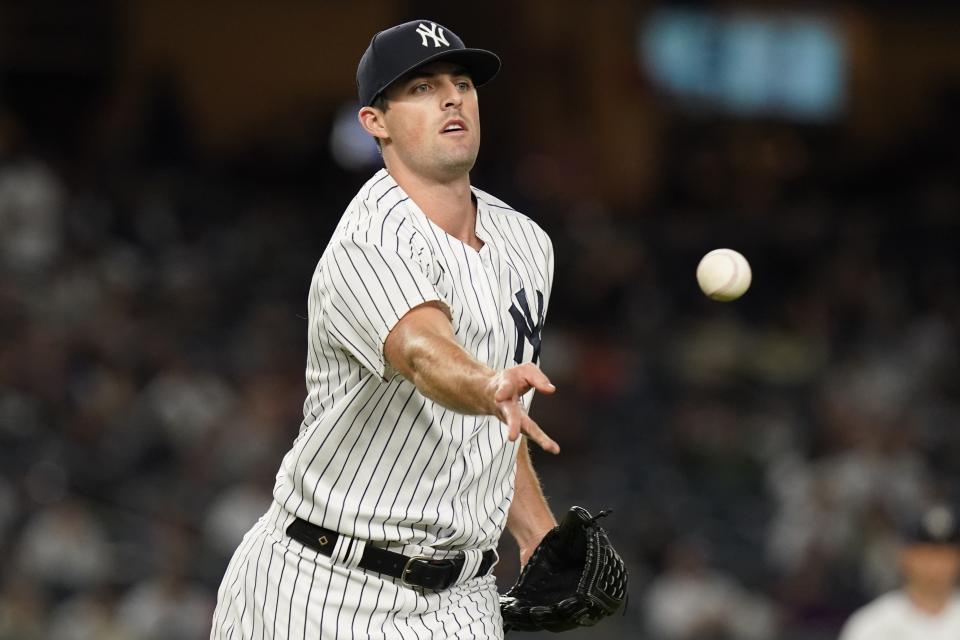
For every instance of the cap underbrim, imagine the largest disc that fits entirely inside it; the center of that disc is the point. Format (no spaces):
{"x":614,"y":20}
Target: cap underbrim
{"x":482,"y":65}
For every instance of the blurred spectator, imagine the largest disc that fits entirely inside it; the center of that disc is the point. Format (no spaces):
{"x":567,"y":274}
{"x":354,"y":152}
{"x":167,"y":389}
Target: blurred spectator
{"x":8,"y":510}
{"x":187,"y":404}
{"x":232,"y":512}
{"x":168,"y":602}
{"x":23,"y":609}
{"x":31,"y":205}
{"x":690,"y":600}
{"x":167,"y":608}
{"x":89,"y":615}
{"x":64,"y":547}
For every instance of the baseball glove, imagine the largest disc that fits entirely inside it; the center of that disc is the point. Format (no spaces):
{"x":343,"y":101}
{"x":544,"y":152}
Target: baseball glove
{"x":574,"y":579}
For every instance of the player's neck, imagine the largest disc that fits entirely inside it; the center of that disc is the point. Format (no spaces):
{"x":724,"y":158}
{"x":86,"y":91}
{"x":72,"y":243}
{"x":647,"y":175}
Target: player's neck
{"x":930,"y":601}
{"x":448,"y":204}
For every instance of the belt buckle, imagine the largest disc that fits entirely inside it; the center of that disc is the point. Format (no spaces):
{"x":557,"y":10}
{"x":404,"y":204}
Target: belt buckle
{"x":406,"y":569}
{"x":430,"y":562}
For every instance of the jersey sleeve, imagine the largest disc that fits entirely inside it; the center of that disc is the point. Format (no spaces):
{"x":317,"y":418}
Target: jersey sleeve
{"x":369,"y":289}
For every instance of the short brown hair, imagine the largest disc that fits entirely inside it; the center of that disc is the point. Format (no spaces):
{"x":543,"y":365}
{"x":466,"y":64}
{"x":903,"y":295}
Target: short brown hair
{"x":380,"y":102}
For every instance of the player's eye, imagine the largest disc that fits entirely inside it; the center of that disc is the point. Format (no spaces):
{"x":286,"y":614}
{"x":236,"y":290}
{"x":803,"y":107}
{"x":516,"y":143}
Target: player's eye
{"x":463,"y":85}
{"x":423,"y":87}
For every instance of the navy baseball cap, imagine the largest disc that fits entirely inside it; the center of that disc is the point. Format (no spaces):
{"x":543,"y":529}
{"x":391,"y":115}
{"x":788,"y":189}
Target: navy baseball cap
{"x":401,"y":49}
{"x":936,"y":525}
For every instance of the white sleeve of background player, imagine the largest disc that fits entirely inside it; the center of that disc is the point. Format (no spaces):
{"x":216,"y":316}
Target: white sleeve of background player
{"x":370,"y":287}
{"x":860,"y":626}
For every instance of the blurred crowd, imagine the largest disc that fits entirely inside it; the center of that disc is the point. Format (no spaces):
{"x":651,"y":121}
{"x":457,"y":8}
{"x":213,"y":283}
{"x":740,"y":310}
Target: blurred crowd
{"x":760,"y":456}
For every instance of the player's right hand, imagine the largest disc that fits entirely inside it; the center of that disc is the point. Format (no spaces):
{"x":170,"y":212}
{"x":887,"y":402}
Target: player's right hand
{"x":508,"y":386}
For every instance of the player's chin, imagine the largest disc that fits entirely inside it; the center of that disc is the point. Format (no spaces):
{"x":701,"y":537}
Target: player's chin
{"x":457,"y":160}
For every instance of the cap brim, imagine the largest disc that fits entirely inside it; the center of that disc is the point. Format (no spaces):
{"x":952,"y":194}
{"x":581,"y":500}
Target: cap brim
{"x":482,"y":65}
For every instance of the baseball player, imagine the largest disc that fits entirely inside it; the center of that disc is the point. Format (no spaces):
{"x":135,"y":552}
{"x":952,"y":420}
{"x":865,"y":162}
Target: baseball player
{"x":927,"y":607}
{"x":425,"y":318}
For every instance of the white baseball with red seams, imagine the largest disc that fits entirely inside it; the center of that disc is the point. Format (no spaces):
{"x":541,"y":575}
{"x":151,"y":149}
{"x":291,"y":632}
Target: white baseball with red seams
{"x":724,"y":275}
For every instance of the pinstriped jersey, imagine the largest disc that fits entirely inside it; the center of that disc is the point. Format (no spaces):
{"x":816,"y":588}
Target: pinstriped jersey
{"x":375,"y":459}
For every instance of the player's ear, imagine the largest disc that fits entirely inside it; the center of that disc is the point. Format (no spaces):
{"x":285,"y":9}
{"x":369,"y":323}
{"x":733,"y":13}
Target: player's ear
{"x":371,"y":119}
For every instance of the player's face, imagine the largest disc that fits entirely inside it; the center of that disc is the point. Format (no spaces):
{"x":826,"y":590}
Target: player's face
{"x":433,"y":121}
{"x":932,"y":565}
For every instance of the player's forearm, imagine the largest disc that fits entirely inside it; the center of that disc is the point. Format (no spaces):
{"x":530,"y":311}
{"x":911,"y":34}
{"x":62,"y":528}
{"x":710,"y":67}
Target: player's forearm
{"x":529,"y":518}
{"x":444,"y":372}
{"x":424,"y":349}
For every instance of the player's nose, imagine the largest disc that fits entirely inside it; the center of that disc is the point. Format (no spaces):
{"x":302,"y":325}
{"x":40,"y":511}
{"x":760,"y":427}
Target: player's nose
{"x":450,"y":95}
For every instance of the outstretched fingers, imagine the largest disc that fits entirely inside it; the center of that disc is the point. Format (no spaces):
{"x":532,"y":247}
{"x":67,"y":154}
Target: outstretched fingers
{"x":538,"y":435}
{"x":519,"y":422}
{"x":539,"y":380}
{"x":514,"y":383}
{"x":518,"y":380}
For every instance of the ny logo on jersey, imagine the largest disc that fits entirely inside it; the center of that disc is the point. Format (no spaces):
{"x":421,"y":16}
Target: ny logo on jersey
{"x":527,"y":329}
{"x":433,"y":31}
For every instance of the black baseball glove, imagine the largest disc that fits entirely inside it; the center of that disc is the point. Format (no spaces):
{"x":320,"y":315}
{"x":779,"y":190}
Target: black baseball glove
{"x":573,"y":579}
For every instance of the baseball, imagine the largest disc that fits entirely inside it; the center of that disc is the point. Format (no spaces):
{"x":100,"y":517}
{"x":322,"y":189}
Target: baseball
{"x":724,"y":274}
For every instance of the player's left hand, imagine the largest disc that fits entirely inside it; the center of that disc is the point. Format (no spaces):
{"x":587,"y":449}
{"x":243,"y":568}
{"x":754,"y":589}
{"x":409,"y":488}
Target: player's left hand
{"x":574,"y":578}
{"x":527,"y":552}
{"x":509,"y":385}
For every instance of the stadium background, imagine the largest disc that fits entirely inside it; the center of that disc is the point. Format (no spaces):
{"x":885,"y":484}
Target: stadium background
{"x":171,"y":171}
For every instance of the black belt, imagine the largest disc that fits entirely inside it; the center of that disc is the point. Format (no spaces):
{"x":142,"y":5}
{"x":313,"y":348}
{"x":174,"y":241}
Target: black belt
{"x":415,"y":571}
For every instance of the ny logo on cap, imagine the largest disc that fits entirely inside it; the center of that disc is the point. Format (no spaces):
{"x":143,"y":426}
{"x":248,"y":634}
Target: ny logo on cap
{"x":433,"y":31}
